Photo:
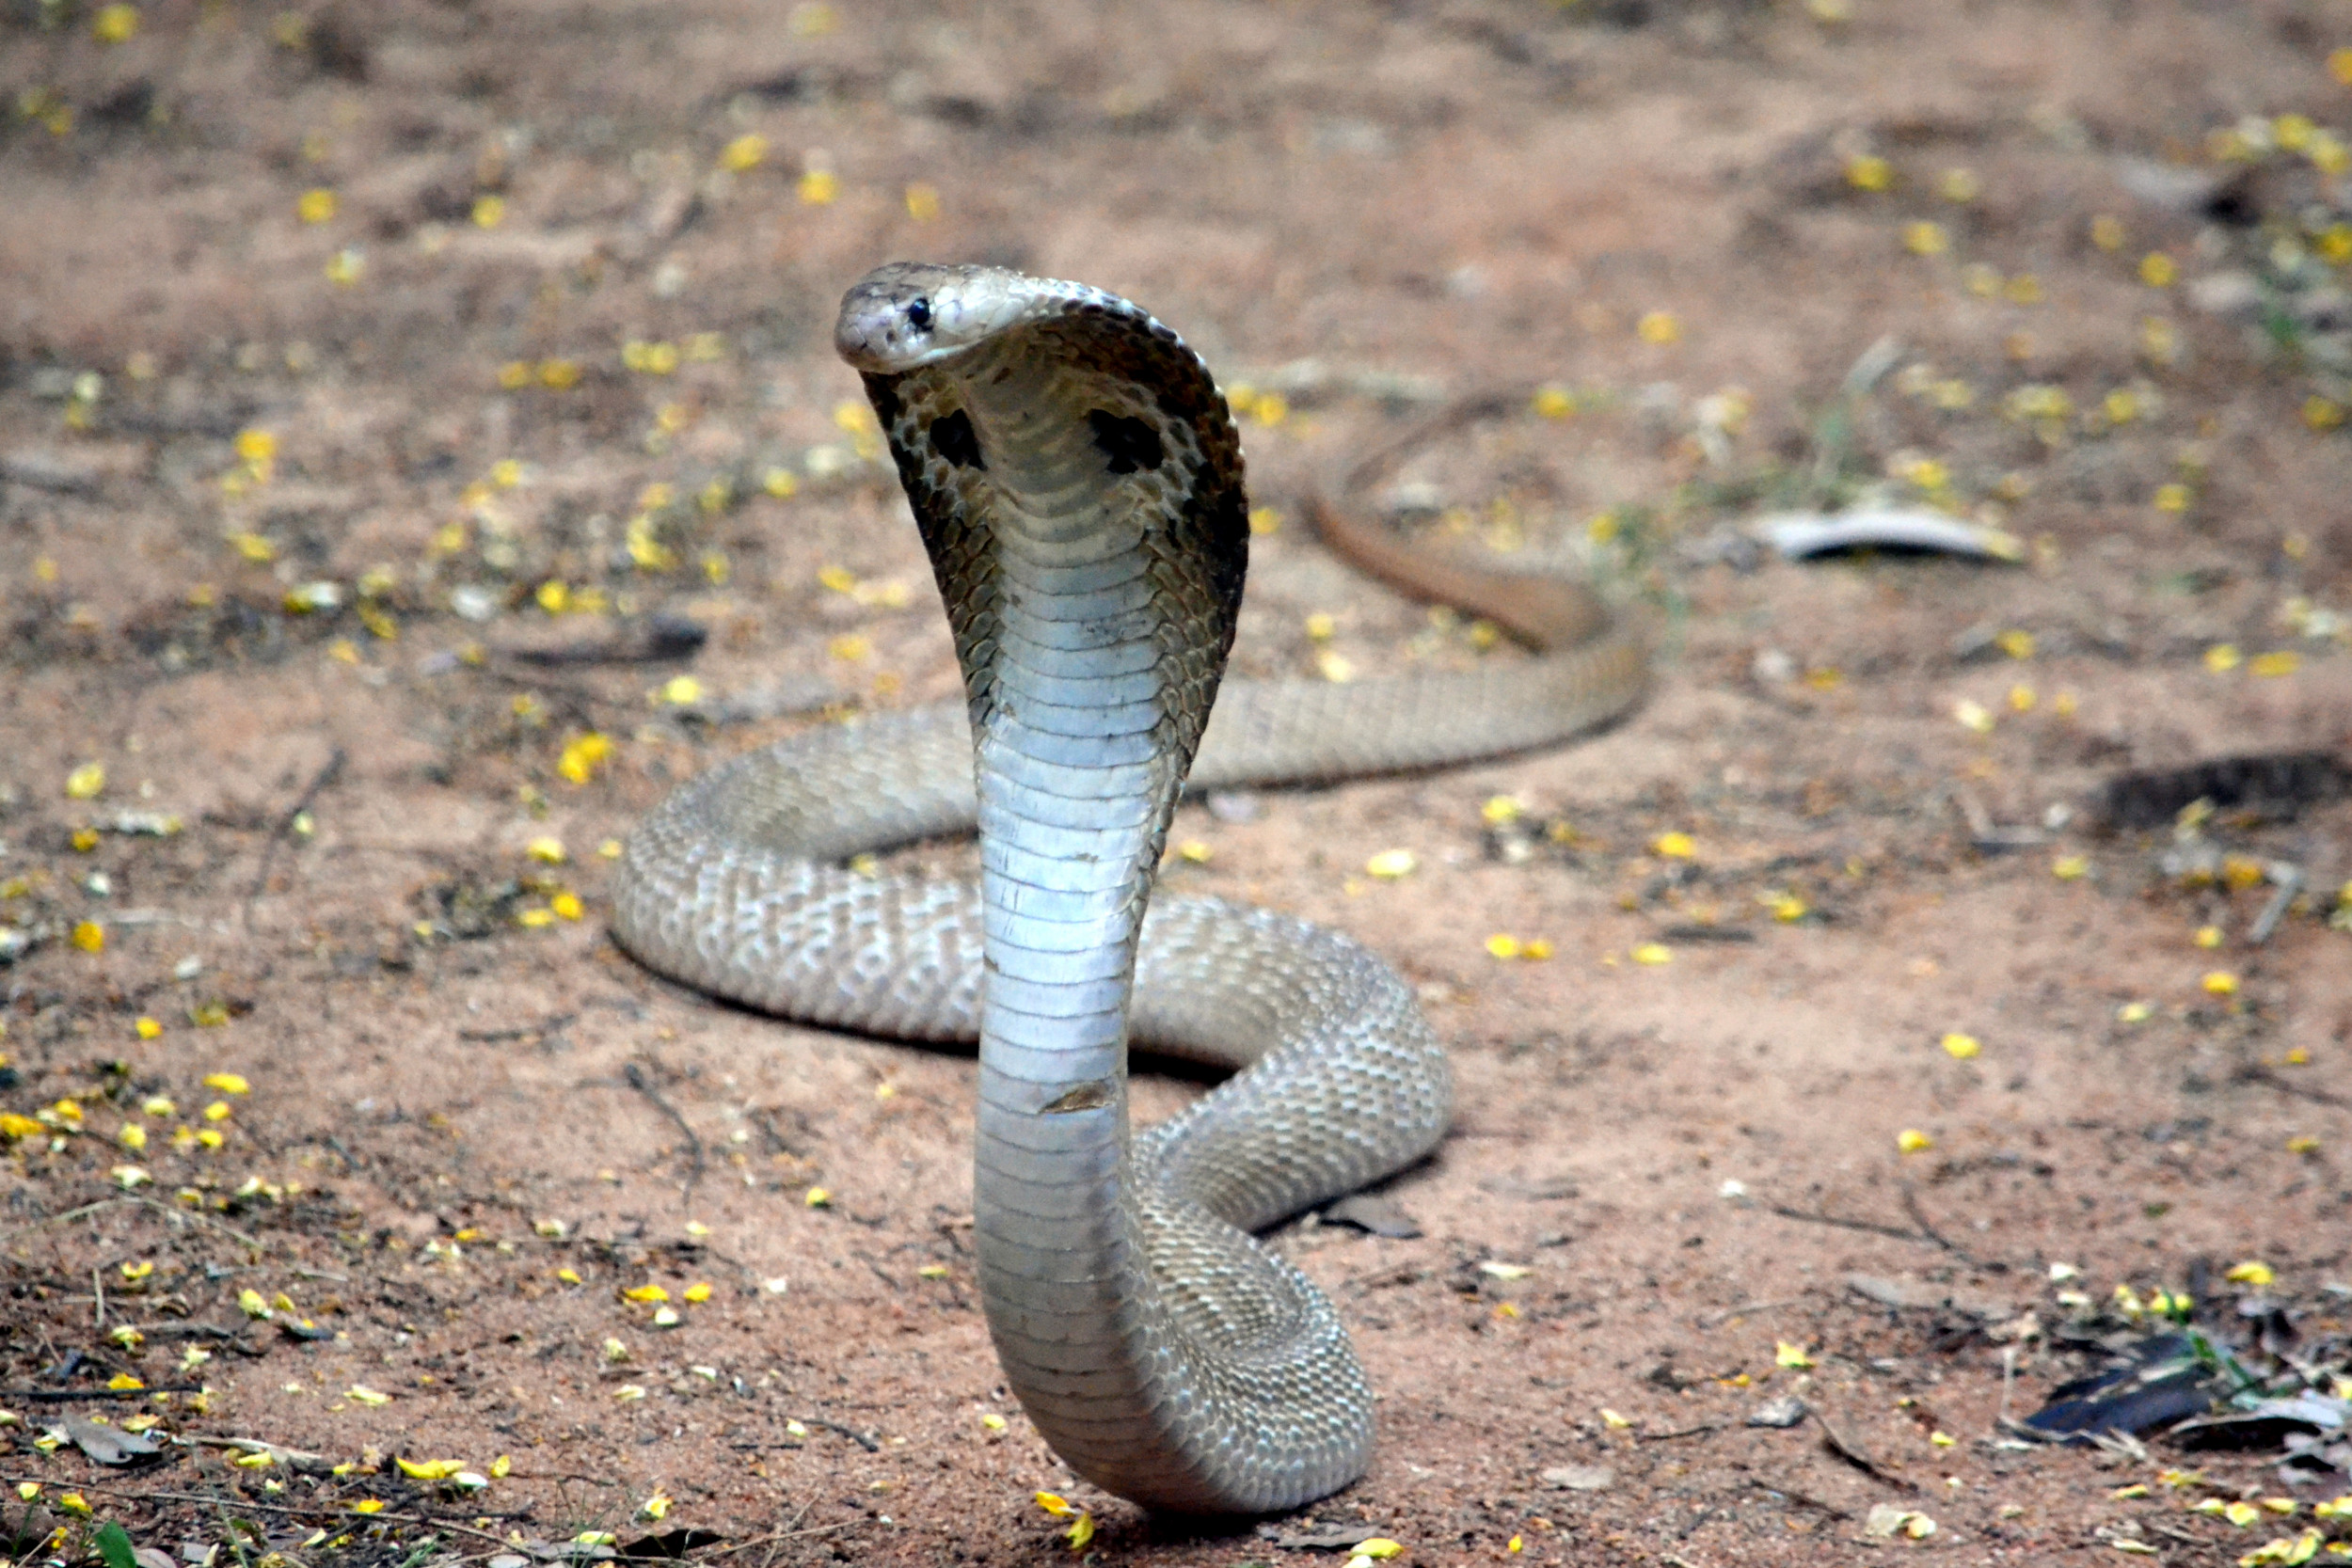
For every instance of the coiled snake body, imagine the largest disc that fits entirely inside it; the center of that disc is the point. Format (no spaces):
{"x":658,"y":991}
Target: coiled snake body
{"x":1078,"y":484}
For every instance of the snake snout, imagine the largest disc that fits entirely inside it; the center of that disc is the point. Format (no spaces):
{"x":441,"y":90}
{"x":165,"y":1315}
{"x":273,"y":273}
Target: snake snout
{"x":898,"y":318}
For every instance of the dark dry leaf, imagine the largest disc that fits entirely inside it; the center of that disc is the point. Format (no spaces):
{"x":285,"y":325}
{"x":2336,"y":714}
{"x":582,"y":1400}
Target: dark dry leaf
{"x":2276,"y":785}
{"x":2160,"y":1381}
{"x":673,"y":1542}
{"x":2266,"y":1425}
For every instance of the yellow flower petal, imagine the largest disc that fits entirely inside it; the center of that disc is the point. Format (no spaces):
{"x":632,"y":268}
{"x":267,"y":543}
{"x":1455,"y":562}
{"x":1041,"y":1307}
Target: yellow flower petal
{"x":430,"y":1469}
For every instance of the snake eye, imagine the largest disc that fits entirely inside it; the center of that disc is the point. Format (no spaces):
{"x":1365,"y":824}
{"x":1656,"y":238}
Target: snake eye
{"x":919,"y":315}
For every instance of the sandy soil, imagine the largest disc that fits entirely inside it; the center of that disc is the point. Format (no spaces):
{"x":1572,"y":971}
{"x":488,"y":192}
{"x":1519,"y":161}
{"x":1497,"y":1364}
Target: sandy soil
{"x":292,"y":486}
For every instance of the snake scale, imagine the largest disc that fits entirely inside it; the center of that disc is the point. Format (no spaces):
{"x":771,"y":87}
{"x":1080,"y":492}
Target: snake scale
{"x":1078,"y":479}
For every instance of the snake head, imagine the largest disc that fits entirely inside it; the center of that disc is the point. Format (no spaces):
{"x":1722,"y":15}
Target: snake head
{"x":908,"y":314}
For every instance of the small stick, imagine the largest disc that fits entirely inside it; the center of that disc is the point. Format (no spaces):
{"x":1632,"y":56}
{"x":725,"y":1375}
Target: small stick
{"x":787,"y":1535}
{"x":2257,"y":1073}
{"x":1927,"y":1229}
{"x":1674,"y":1436}
{"x":339,"y":1509}
{"x":74,"y":1396}
{"x":1709,"y":1320}
{"x":1872,"y":1227}
{"x":1853,"y":1454}
{"x":88,"y":1209}
{"x":2290,"y":879}
{"x":1800,"y":1498}
{"x":69,"y":1214}
{"x":303,"y":802}
{"x":638,"y":1081}
{"x":866,"y":1440}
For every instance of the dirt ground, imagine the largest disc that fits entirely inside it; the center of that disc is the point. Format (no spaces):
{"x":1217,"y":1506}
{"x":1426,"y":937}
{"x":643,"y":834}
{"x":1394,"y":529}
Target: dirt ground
{"x":361,"y":368}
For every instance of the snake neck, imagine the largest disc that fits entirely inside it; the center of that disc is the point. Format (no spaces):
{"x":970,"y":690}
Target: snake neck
{"x":1081,"y":740}
{"x":1093,"y":582}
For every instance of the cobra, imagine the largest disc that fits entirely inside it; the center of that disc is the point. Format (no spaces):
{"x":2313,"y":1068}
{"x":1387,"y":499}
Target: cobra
{"x":1078,"y":484}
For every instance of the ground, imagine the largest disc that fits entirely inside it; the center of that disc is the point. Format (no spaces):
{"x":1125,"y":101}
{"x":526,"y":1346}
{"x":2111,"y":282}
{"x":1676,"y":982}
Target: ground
{"x":353,"y":358}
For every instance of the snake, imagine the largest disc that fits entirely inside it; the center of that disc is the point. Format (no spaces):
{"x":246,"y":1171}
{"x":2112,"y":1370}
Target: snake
{"x":1077,"y":479}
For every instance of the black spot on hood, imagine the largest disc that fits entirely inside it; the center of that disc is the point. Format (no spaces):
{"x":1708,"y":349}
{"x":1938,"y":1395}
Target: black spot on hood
{"x":1130,"y":444}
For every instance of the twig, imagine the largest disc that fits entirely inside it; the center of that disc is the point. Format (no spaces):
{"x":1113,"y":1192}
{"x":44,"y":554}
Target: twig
{"x":1674,"y":1436}
{"x":1800,"y":1498}
{"x":1853,"y":1454}
{"x":1709,"y":1320}
{"x":2257,"y":1073}
{"x":249,"y":1445}
{"x":1927,"y":1229}
{"x":303,"y":802}
{"x":75,"y":1396}
{"x":2289,"y":879}
{"x":87,"y":1209}
{"x":782,"y":1535}
{"x":1833,"y":432}
{"x":338,"y":1510}
{"x":1872,"y":1227}
{"x":866,"y":1440}
{"x":102,"y":1203}
{"x":638,"y":1081}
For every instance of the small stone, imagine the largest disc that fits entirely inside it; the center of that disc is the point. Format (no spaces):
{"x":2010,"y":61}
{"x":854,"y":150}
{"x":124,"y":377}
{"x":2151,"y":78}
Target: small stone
{"x":1580,"y":1478}
{"x":1782,"y":1413}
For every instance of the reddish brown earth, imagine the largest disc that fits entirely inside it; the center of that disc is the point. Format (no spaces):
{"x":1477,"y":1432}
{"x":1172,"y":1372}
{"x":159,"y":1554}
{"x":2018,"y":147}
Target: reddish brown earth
{"x":1424,"y":200}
